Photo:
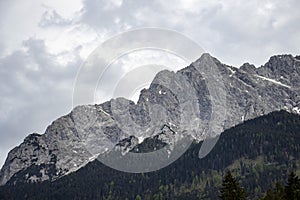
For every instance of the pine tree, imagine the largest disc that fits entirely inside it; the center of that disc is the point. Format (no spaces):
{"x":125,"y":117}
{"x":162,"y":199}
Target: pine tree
{"x":292,"y":189}
{"x":276,"y":194}
{"x":138,"y":197}
{"x":231,"y":189}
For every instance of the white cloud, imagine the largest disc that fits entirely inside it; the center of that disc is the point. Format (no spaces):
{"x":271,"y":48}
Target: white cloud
{"x":44,"y":42}
{"x":137,"y":69}
{"x":32,"y":84}
{"x":52,"y":18}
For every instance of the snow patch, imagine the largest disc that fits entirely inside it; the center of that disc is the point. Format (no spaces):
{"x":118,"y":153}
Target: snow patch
{"x":141,"y":139}
{"x":76,"y":167}
{"x":231,"y":70}
{"x":161,"y":92}
{"x":297,"y":110}
{"x":171,"y":124}
{"x":273,"y":81}
{"x":93,"y":157}
{"x":104,"y":112}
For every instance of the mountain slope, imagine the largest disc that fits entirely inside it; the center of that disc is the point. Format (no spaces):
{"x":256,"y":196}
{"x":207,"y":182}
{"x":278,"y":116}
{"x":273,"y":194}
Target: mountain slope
{"x":260,"y":152}
{"x":207,"y":95}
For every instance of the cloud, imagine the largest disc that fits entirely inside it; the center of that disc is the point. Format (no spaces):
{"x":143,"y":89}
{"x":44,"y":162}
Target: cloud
{"x":32,"y":83}
{"x":231,"y":30}
{"x":41,"y":50}
{"x":234,"y":30}
{"x":52,"y":18}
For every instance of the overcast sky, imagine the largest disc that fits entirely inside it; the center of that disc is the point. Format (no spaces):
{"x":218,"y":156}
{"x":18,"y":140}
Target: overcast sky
{"x":44,"y":42}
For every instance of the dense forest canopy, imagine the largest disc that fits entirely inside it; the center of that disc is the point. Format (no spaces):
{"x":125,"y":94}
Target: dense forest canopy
{"x":259,"y":153}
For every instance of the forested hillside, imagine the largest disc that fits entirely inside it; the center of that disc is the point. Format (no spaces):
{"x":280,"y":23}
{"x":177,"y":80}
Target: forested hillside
{"x":259,"y":152}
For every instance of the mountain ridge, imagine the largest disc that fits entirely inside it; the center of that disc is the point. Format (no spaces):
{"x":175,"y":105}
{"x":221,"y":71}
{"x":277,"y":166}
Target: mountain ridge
{"x":249,"y":93}
{"x":259,"y":152}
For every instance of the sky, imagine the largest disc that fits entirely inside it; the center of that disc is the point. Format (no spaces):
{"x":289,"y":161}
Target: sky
{"x":43,"y":43}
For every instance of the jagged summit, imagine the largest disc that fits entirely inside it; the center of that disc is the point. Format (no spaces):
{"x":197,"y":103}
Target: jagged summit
{"x":186,"y":102}
{"x":247,"y":67}
{"x":205,"y":57}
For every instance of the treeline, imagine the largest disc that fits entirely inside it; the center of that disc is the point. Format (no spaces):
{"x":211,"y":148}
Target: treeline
{"x":231,"y":189}
{"x":291,"y":191}
{"x":258,"y":153}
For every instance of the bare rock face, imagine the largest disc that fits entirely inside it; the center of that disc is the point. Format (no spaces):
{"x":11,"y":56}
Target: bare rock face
{"x":175,"y":105}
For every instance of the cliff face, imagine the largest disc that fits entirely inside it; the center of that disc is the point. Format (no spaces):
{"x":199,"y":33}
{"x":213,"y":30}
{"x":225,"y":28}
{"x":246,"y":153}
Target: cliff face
{"x":200,"y":100}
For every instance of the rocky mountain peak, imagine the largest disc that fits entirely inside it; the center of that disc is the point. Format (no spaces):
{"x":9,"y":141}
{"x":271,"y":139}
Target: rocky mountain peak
{"x":281,"y":64}
{"x":282,"y":68}
{"x":278,"y":61}
{"x":205,"y":57}
{"x":249,"y":68}
{"x":199,"y":100}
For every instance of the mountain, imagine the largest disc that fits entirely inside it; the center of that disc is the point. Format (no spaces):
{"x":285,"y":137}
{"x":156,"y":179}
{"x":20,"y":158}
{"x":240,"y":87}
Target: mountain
{"x":259,"y":152}
{"x":199,"y":101}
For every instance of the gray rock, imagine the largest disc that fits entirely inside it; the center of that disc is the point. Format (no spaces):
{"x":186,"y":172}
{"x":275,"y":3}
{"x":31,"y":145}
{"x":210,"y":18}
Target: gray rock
{"x":207,"y":94}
